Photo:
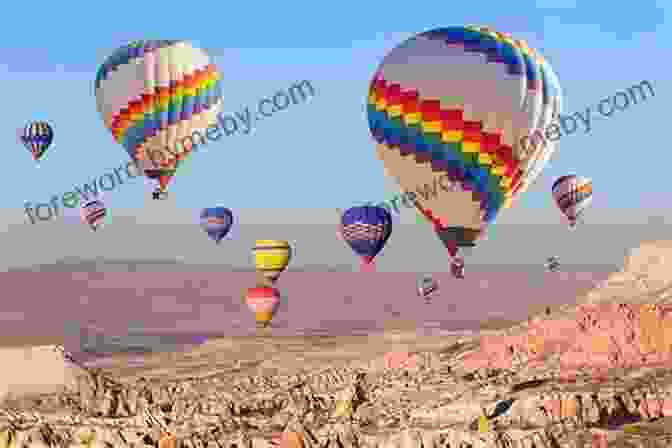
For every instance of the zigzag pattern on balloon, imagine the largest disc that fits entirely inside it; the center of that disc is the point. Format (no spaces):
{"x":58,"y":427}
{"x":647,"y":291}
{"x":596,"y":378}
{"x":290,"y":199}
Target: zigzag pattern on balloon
{"x":476,"y":159}
{"x":501,"y":48}
{"x":402,"y":119}
{"x":168,"y":105}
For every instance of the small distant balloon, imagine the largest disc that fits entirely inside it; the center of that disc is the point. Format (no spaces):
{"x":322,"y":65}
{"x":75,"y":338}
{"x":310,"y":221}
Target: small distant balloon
{"x":216,"y":221}
{"x":263,"y":302}
{"x":93,"y":213}
{"x":271,"y":257}
{"x":37,"y":136}
{"x":572,"y":195}
{"x":427,"y":287}
{"x":552,"y":264}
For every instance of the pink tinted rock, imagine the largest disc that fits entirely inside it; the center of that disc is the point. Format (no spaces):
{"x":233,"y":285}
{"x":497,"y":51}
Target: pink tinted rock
{"x":653,"y":404}
{"x":561,"y":328}
{"x":556,"y":406}
{"x":412,"y":362}
{"x":547,"y":405}
{"x":401,"y":360}
{"x":552,"y":408}
{"x":476,"y":361}
{"x":601,"y":336}
{"x":568,"y":375}
{"x":600,"y":439}
{"x":644,"y":409}
{"x":573,"y":359}
{"x":666,"y":408}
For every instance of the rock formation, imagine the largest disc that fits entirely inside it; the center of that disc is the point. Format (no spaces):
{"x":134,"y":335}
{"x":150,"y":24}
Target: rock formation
{"x":594,"y":374}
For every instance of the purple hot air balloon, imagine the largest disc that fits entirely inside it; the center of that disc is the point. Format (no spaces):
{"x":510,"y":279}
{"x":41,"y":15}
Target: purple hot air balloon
{"x":216,"y":221}
{"x":366,"y":229}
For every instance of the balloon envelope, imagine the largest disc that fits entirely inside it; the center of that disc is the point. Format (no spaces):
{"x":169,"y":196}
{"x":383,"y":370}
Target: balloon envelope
{"x":427,"y":286}
{"x":263,"y":302}
{"x":216,"y":221}
{"x":271,"y":257}
{"x":366,"y":229}
{"x":457,"y":114}
{"x":93,"y":213}
{"x":572,"y":195}
{"x":158,"y":97}
{"x":37,"y":136}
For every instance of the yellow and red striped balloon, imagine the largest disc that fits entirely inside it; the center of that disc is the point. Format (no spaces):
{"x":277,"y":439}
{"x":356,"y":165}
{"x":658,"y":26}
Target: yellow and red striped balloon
{"x":271,"y":257}
{"x":263,"y":302}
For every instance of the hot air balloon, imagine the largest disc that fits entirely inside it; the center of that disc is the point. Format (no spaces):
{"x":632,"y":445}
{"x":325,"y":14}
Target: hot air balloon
{"x":366,"y":229}
{"x":37,"y":136}
{"x":457,"y":114}
{"x":572,"y":195}
{"x":216,"y":222}
{"x":271,"y":258}
{"x":552,"y":264}
{"x":93,"y":213}
{"x":263,"y":302}
{"x":155,"y":95}
{"x":427,"y":286}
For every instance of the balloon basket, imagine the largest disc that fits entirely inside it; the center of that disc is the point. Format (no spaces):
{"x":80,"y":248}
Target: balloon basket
{"x":367,"y":267}
{"x":264,"y":318}
{"x":457,"y":267}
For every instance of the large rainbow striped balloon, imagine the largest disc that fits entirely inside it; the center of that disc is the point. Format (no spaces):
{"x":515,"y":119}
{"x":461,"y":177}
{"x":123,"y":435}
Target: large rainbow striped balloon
{"x":152,"y":94}
{"x":457,"y":114}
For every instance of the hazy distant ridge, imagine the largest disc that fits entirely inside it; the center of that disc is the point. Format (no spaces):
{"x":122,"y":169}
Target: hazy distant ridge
{"x":72,"y":264}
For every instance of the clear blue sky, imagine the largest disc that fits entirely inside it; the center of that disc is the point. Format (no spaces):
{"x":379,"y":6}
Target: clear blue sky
{"x":320,"y":154}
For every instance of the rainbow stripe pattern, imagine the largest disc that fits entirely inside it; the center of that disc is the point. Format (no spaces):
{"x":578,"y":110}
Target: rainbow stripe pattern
{"x":481,"y":158}
{"x":153,"y":93}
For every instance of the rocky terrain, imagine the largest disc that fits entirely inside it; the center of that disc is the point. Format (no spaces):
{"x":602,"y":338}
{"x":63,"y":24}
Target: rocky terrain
{"x":595,"y":374}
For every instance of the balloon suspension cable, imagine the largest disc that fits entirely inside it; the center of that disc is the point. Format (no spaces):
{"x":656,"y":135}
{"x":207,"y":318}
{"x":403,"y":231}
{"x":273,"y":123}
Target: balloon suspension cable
{"x":368,"y":265}
{"x":452,"y":249}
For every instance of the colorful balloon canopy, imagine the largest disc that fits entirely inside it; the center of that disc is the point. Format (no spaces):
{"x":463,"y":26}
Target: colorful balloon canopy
{"x":427,"y":286}
{"x":263,"y":302}
{"x":37,"y":136}
{"x":157,"y":97}
{"x":470,"y":105}
{"x":366,"y":229}
{"x":216,"y":221}
{"x":552,"y":264}
{"x":93,"y":213}
{"x":572,"y":195}
{"x":271,"y":257}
